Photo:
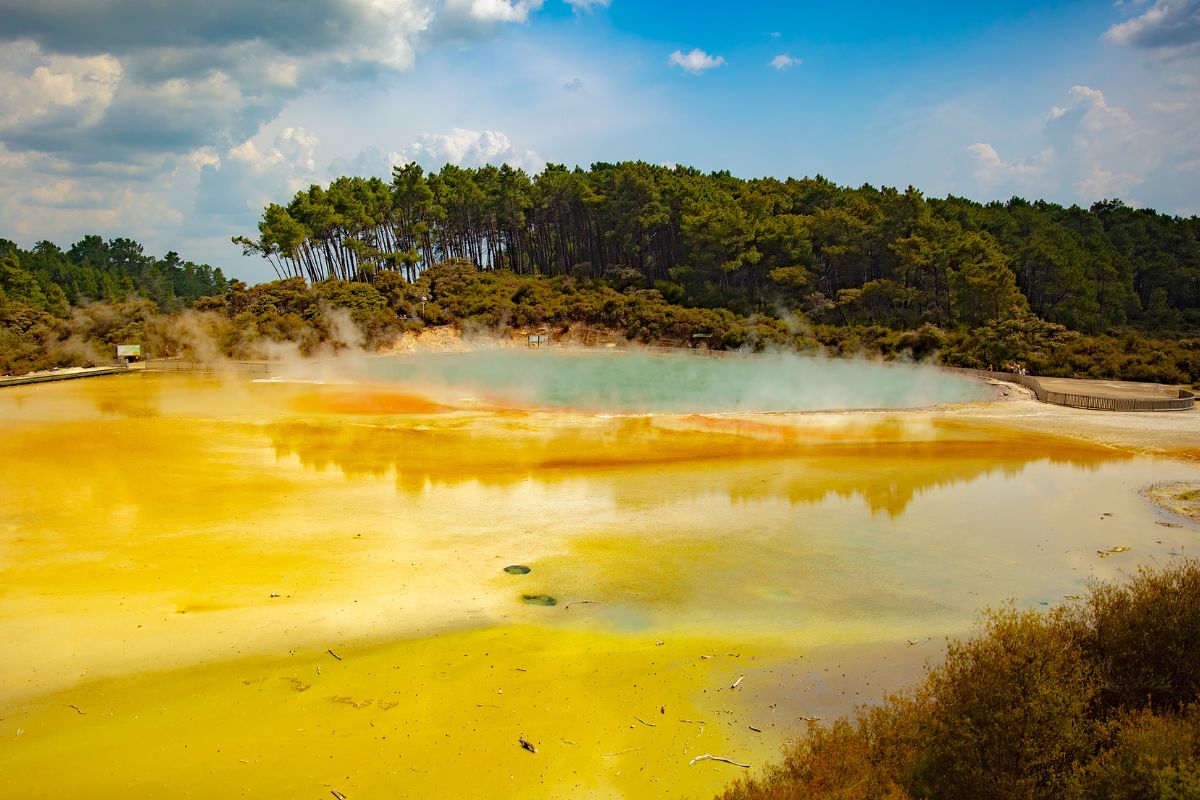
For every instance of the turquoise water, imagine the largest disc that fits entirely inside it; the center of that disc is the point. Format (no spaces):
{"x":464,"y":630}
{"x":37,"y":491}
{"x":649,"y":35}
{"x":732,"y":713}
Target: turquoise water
{"x":674,"y":383}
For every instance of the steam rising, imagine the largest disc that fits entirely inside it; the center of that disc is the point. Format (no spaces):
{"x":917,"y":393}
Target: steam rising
{"x":448,"y":368}
{"x":675,"y":383}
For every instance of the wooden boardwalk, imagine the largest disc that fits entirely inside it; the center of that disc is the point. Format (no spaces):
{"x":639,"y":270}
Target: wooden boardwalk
{"x":64,"y":375}
{"x":1098,"y":395}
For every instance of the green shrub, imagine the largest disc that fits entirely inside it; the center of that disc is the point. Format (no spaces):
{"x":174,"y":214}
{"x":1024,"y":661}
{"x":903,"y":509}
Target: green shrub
{"x":1144,"y":638}
{"x":1012,"y":711}
{"x":1147,"y":755}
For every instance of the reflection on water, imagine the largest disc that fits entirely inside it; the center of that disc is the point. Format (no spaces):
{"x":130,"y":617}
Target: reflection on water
{"x":886,"y":462}
{"x":295,"y":574}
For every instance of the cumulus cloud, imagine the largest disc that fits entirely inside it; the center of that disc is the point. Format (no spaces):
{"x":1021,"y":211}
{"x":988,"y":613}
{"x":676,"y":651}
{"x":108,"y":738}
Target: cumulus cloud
{"x":467,"y":148}
{"x":695,"y":62}
{"x":784,"y":61}
{"x":494,"y":10}
{"x":468,"y":19}
{"x":236,"y":185}
{"x":993,"y":171}
{"x":108,"y":82}
{"x":39,"y":94}
{"x":43,"y":197}
{"x":347,"y":28}
{"x":586,"y":5}
{"x":1172,"y":24}
{"x":1094,"y":150}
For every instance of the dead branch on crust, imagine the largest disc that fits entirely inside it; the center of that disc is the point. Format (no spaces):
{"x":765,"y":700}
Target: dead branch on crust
{"x":707,"y":757}
{"x":335,"y":655}
{"x":525,"y":743}
{"x":649,"y":724}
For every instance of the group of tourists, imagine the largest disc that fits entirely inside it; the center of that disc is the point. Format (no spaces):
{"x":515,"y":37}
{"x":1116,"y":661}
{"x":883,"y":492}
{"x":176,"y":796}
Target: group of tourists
{"x":1013,"y":367}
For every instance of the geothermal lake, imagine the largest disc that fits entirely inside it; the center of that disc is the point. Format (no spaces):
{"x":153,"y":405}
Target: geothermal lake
{"x":285,"y":588}
{"x":595,"y":380}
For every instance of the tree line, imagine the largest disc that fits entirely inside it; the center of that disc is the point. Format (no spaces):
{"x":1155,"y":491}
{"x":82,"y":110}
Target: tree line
{"x":50,"y":279}
{"x":69,"y":308}
{"x":804,"y":247}
{"x":654,"y":254}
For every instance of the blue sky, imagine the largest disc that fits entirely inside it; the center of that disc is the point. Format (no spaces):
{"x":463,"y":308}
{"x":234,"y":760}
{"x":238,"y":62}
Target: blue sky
{"x":174,"y":123}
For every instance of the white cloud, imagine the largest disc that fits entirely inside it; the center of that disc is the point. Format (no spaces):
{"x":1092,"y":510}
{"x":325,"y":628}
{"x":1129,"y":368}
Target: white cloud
{"x":991,"y":171}
{"x":586,"y":5}
{"x":493,"y":10}
{"x":467,"y":148}
{"x":203,"y":157}
{"x":1101,"y":183}
{"x":1170,"y":24}
{"x":695,"y":62}
{"x":471,"y":19}
{"x":295,"y":147}
{"x":94,"y":82}
{"x":60,"y":91}
{"x":1094,"y":150}
{"x":1175,"y":106}
{"x":42,"y":198}
{"x":784,"y":61}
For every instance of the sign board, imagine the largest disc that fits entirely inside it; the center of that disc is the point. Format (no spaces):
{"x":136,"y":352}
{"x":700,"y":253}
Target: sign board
{"x":129,"y":351}
{"x":537,"y":340}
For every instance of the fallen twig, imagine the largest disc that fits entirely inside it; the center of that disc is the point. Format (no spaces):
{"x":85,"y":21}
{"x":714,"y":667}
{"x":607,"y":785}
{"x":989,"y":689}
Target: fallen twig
{"x":707,"y":757}
{"x":337,"y":794}
{"x":77,"y":708}
{"x":335,"y":655}
{"x":649,"y":724}
{"x":756,"y":730}
{"x":738,"y":681}
{"x":580,"y":603}
{"x":619,"y":752}
{"x":525,"y":743}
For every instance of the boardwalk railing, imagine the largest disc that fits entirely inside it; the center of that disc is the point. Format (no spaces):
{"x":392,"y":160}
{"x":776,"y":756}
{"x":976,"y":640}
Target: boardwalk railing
{"x":1185,"y":401}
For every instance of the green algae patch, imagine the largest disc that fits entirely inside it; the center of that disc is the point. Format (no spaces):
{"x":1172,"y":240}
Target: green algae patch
{"x":539,"y":599}
{"x":517,"y":569}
